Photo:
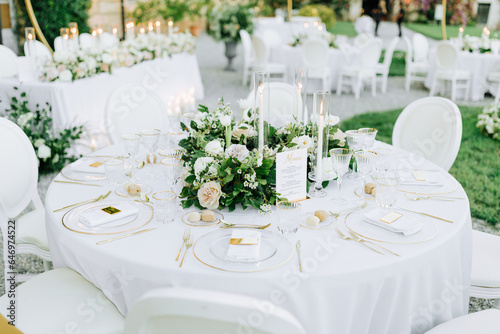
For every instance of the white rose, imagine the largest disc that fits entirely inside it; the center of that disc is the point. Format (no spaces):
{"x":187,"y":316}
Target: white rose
{"x":60,"y":56}
{"x":65,"y":76}
{"x":239,"y":152}
{"x":340,"y":136}
{"x":39,"y":142}
{"x":225,"y":120}
{"x":303,"y":142}
{"x":91,"y":63}
{"x":209,"y":195}
{"x":107,"y":58}
{"x":243,"y":129}
{"x":214,"y":148}
{"x":44,"y":152}
{"x":24,"y":119}
{"x":201,"y":164}
{"x":200,"y":117}
{"x":333,"y":120}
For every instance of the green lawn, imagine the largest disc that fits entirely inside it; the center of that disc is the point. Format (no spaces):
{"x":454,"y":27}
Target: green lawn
{"x":477,"y":166}
{"x":343,"y":28}
{"x":398,"y":63}
{"x":434,"y":31}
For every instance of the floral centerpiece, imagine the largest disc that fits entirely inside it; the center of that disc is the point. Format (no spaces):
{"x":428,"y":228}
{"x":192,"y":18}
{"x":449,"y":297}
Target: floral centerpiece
{"x":228,"y":17}
{"x":489,"y":122}
{"x":474,"y":43}
{"x":331,"y":39}
{"x":222,"y":166}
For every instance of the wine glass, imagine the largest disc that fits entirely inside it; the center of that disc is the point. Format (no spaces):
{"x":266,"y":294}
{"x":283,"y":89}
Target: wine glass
{"x":149,"y":138}
{"x":355,"y":140}
{"x":369,"y":140}
{"x":340,"y":163}
{"x":172,"y":168}
{"x":131,"y":144}
{"x":365,"y":160}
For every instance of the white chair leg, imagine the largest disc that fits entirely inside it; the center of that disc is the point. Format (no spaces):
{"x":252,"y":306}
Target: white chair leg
{"x":467,"y":90}
{"x":245,"y":76}
{"x":407,"y":81}
{"x":453,"y":90}
{"x":433,"y":87}
{"x":357,"y":84}
{"x":384,"y":83}
{"x":374,"y":86}
{"x":339,"y":85}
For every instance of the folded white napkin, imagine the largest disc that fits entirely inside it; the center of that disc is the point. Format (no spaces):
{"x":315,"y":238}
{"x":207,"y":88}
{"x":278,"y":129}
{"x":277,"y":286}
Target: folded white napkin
{"x":97,"y":216}
{"x":431,"y":178}
{"x":83,"y":166}
{"x":244,"y":252}
{"x":406,"y":225}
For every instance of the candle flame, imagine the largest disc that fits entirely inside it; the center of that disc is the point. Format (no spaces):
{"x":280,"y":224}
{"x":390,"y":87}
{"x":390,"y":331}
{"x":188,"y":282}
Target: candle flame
{"x":94,"y":33}
{"x":99,"y":31}
{"x":306,"y":25}
{"x":461,"y":29}
{"x":157,"y":23}
{"x":170,"y":23}
{"x":115,"y":30}
{"x":30,"y":36}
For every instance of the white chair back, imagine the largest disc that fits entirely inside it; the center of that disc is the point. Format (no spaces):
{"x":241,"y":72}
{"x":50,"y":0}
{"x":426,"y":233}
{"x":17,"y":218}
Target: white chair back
{"x":283,"y":102}
{"x":430,"y":127}
{"x":190,"y":311}
{"x":260,"y":49}
{"x":370,"y":54}
{"x":131,"y":109}
{"x":389,"y":52}
{"x":9,"y":66}
{"x":409,"y":50}
{"x":108,"y":40}
{"x":59,"y":44}
{"x":18,"y":175}
{"x":420,"y":48}
{"x":446,"y":56}
{"x":246,"y":42}
{"x":40,"y":49}
{"x":364,"y":25}
{"x":272,"y":37}
{"x":86,"y":41}
{"x":314,"y":53}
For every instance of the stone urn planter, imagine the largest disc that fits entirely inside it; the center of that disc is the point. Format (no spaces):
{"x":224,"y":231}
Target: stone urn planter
{"x":230,"y":54}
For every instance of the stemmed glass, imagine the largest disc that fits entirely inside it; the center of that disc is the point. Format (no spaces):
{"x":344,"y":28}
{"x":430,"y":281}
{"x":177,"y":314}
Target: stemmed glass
{"x":355,"y":139}
{"x":365,"y":160}
{"x":172,"y":170}
{"x":131,"y":144}
{"x":369,"y":140}
{"x":340,"y":163}
{"x":149,"y":138}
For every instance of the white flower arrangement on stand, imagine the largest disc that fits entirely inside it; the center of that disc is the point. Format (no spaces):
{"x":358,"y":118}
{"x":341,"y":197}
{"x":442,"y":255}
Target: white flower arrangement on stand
{"x":489,"y":122}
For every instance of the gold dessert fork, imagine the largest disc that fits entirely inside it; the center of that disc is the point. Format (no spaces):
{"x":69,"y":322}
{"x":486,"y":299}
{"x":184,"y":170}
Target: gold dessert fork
{"x":185,"y":238}
{"x":189,"y":244}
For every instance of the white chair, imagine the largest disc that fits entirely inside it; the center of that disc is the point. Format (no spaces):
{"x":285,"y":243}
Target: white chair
{"x":262,"y":63}
{"x":283,"y":102}
{"x":248,"y":55}
{"x":485,"y":275}
{"x":40,"y":49}
{"x":482,"y":322}
{"x":382,"y":69}
{"x":420,"y":48}
{"x":432,"y":128}
{"x":364,"y":24}
{"x":495,"y":77}
{"x":315,"y":59}
{"x":365,"y":71}
{"x":415,"y":70}
{"x":18,"y":180}
{"x":446,"y":62}
{"x":60,"y":298}
{"x":86,"y":41}
{"x":108,"y":40}
{"x":190,"y":311}
{"x":9,"y":66}
{"x":131,"y":109}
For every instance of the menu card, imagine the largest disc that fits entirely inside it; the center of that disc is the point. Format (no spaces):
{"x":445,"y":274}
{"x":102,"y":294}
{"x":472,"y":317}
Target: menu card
{"x":291,"y":174}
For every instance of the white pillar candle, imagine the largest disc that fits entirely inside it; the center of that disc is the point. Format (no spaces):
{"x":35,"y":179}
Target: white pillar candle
{"x":299,"y":104}
{"x":319,"y":157}
{"x":461,"y":33}
{"x":130,"y":32}
{"x":158,"y":27}
{"x":170,"y":27}
{"x":261,"y":119}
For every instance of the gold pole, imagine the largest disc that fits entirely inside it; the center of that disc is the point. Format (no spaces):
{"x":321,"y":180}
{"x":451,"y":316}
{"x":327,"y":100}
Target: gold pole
{"x":290,"y":10}
{"x":33,"y":20}
{"x":443,"y":21}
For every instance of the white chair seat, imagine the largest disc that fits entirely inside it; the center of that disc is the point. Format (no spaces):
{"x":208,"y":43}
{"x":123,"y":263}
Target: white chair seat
{"x":422,"y":67}
{"x":50,"y":301}
{"x":318,"y":73}
{"x":457,"y":74}
{"x":31,"y":229}
{"x":484,"y":322}
{"x":268,"y":67}
{"x":356,"y":70}
{"x":485,"y":260}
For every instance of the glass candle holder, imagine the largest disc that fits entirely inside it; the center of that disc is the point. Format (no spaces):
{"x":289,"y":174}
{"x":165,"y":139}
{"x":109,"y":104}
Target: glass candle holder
{"x":262,"y":107}
{"x":300,"y":94}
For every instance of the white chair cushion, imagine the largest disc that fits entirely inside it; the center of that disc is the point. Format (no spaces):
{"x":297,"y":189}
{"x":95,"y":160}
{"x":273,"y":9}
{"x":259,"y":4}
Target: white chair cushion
{"x":60,"y":299}
{"x":31,"y":229}
{"x":484,"y":322}
{"x":485,"y":260}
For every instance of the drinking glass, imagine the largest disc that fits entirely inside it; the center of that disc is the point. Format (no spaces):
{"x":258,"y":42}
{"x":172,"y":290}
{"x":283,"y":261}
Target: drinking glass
{"x":165,"y":203}
{"x":355,"y":140}
{"x":369,"y":137}
{"x":340,"y":163}
{"x":172,"y":168}
{"x":365,"y":160}
{"x":383,"y":161}
{"x":115,"y":170}
{"x":289,"y":215}
{"x":149,"y":138}
{"x":131,"y":144}
{"x":387,"y":188}
{"x":170,"y":153}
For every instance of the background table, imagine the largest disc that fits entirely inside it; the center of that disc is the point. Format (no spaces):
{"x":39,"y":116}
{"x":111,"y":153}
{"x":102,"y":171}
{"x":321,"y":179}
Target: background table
{"x":286,"y":30}
{"x":84,"y":101}
{"x":346,"y":288}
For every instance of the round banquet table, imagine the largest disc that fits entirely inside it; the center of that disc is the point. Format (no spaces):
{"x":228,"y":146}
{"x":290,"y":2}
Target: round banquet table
{"x":345,"y":287}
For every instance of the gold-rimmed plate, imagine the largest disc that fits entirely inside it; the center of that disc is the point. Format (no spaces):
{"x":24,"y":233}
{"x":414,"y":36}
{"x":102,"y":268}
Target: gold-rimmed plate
{"x":70,"y":173}
{"x":71,"y":220}
{"x":202,"y":251}
{"x":145,"y":189}
{"x":448,"y":185}
{"x":359,"y":192}
{"x":327,"y":224}
{"x":201,"y":223}
{"x":355,"y":222}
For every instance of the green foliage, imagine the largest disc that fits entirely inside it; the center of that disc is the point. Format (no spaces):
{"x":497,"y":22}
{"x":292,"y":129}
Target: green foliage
{"x":434,"y":31}
{"x":50,"y":146}
{"x":227,"y":18}
{"x":52,"y":15}
{"x":326,"y":14}
{"x":176,"y":10}
{"x":477,"y":166}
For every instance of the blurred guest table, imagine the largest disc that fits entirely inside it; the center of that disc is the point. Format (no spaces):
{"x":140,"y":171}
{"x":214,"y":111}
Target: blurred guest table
{"x":286,"y":30}
{"x":345,"y":287}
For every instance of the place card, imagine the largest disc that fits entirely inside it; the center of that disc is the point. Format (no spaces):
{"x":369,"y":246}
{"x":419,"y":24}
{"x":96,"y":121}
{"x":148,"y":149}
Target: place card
{"x":244,"y":241}
{"x":96,"y":164}
{"x":111,"y":210}
{"x":418,"y":175}
{"x":391,"y":217}
{"x":291,"y":174}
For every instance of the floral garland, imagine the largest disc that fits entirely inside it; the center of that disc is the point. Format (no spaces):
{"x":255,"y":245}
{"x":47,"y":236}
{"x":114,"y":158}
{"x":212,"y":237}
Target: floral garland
{"x":222,"y":166}
{"x":331,"y":39}
{"x":71,"y":66}
{"x":489,"y":122}
{"x":474,"y":43}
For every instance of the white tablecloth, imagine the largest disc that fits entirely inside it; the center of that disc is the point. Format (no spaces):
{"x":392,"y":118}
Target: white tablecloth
{"x":286,"y":30}
{"x":479,"y":64}
{"x":346,"y":288}
{"x":84,"y":101}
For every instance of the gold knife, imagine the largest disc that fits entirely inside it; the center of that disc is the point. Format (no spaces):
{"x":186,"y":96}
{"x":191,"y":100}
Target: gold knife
{"x":297,"y":245}
{"x":125,"y":236}
{"x":429,"y":215}
{"x":84,"y":184}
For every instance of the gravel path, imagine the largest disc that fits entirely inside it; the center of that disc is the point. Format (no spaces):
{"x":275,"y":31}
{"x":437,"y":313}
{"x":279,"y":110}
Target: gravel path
{"x":219,"y":83}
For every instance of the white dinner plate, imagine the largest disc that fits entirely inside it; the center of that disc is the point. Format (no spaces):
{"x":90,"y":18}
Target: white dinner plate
{"x":69,"y":173}
{"x":220,"y":245}
{"x":449,"y":185}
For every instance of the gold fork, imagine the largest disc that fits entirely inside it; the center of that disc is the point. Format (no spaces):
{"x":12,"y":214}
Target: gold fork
{"x":189,"y":243}
{"x":337,"y":214}
{"x":101,"y":197}
{"x":345,"y":237}
{"x":356,"y":237}
{"x":185,"y":238}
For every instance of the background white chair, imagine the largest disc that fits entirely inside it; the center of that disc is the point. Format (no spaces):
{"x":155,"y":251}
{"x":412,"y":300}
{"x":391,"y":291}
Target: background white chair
{"x":40,"y":49}
{"x":415,"y":70}
{"x":189,"y":311}
{"x":382,"y":69}
{"x":430,"y":127}
{"x":52,"y":300}
{"x":19,"y":179}
{"x":86,"y":41}
{"x":272,"y":38}
{"x":483,"y":322}
{"x":365,"y":71}
{"x":446,"y":62}
{"x":131,"y":109}
{"x":9,"y":66}
{"x":314,"y":59}
{"x":262,"y":63}
{"x":495,"y":77}
{"x":248,"y":55}
{"x":283,"y":102}
{"x":364,"y":24}
{"x":420,"y":48}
